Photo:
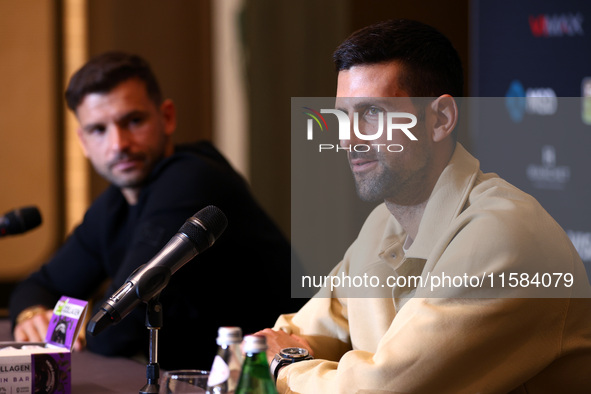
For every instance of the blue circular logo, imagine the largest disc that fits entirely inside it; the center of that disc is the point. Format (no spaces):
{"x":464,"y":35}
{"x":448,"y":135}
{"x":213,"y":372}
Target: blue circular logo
{"x":515,"y":101}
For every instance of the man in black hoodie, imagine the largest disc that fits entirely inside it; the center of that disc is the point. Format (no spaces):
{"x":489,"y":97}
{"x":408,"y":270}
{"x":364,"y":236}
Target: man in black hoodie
{"x":126,"y":132}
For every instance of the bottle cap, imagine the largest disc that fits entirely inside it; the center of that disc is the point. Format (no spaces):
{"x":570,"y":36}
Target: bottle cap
{"x":229,"y":335}
{"x":254,"y":344}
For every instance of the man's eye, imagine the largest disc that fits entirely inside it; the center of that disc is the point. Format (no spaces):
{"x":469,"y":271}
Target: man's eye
{"x":373,"y":111}
{"x":97,"y":130}
{"x":136,"y":121}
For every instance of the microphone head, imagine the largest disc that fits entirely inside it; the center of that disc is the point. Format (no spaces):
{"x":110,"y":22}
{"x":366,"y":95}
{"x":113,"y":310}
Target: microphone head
{"x":22,"y":219}
{"x":99,"y":322}
{"x":211,"y":221}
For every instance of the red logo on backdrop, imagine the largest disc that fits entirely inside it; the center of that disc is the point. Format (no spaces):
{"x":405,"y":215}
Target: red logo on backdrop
{"x":557,"y":25}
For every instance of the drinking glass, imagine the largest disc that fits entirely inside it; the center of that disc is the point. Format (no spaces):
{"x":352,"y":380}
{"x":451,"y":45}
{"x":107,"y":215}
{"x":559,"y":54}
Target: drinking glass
{"x":188,"y":381}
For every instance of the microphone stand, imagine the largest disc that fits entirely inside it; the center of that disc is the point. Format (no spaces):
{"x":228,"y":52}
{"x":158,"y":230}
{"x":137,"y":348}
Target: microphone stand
{"x":149,"y":289}
{"x":153,"y":323}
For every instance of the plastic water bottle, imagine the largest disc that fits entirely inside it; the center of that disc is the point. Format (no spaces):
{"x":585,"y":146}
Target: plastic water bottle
{"x":227,"y":364}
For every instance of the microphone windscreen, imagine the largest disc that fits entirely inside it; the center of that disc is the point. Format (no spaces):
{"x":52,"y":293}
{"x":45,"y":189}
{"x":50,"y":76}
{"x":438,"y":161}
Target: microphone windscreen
{"x":23,"y":219}
{"x":210,"y":220}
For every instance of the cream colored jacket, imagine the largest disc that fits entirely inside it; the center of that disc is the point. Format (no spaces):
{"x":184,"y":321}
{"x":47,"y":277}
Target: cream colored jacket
{"x":451,"y":340}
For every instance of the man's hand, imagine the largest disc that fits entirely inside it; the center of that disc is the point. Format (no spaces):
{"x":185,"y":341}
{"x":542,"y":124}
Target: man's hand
{"x":34,"y":329}
{"x":277,"y":340}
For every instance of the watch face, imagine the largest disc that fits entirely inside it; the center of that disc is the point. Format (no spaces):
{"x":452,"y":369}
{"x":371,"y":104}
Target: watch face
{"x":294,"y":352}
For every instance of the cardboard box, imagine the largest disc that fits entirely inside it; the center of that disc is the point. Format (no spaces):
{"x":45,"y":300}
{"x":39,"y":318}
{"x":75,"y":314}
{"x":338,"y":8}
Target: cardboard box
{"x":44,"y":367}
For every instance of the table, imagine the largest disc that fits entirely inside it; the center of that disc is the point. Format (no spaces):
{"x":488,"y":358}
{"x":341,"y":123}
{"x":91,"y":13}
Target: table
{"x":93,"y":373}
{"x":96,"y":374}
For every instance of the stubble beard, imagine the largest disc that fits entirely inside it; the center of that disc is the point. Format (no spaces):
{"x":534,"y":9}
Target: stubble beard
{"x":390,"y":181}
{"x":378,"y":184}
{"x":135,"y":178}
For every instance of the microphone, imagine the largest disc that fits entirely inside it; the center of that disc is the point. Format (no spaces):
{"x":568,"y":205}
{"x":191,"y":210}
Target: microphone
{"x":19,"y":221}
{"x":198,"y":233}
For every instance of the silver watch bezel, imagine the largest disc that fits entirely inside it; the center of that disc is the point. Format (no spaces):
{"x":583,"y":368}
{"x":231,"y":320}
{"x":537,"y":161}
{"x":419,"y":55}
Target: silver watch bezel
{"x":288,"y":356}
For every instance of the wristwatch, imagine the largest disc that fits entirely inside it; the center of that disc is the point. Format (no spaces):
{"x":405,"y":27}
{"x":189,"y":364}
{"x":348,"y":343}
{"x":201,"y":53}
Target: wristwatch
{"x":288,"y":356}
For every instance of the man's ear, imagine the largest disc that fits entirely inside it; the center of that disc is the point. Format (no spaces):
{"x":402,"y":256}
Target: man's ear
{"x":168,"y":111}
{"x":82,"y":141}
{"x":446,"y":117}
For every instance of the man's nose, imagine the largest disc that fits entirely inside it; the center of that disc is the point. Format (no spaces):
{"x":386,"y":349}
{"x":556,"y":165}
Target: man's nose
{"x":119,"y":138}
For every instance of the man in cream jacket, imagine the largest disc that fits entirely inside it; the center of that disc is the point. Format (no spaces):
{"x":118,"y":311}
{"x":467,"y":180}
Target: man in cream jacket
{"x":441,"y":216}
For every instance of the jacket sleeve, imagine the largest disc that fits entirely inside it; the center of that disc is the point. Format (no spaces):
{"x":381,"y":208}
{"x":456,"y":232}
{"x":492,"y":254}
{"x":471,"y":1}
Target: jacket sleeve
{"x":437,"y":345}
{"x":75,"y":270}
{"x":456,"y":344}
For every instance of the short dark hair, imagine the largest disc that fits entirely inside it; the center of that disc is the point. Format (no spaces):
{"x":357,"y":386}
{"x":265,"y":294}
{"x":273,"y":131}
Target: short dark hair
{"x":103,"y":72}
{"x":432,"y":65}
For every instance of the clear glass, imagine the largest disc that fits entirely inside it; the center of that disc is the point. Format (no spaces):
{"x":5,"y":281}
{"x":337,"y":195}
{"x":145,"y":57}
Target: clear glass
{"x":190,"y":381}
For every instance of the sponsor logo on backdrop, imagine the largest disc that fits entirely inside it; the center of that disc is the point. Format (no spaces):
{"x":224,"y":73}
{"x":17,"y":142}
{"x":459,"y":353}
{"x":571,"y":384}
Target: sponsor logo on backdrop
{"x":586,"y":104}
{"x":387,"y":123}
{"x":557,"y":25}
{"x":548,"y":175}
{"x":521,"y":101}
{"x":582,"y":242}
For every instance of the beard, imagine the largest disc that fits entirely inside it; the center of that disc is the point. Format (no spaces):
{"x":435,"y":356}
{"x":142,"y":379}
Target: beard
{"x":132,"y":178}
{"x":377,"y":185}
{"x":394,"y":178}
